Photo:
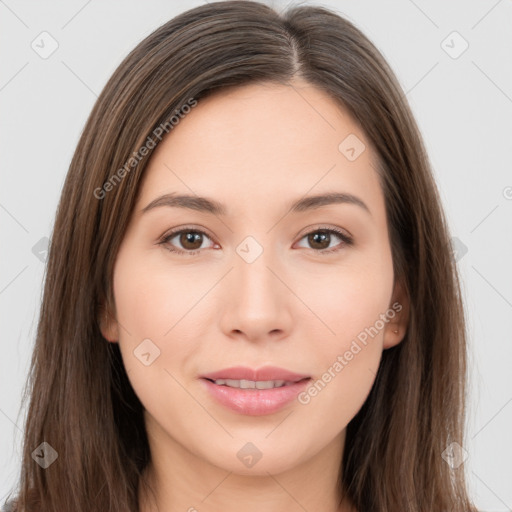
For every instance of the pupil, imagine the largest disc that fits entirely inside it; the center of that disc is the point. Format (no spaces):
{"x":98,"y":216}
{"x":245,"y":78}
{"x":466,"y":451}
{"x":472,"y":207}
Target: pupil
{"x":315,"y":237}
{"x":189,"y":238}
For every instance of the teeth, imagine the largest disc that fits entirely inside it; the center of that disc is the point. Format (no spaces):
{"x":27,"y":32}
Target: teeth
{"x":251,"y":384}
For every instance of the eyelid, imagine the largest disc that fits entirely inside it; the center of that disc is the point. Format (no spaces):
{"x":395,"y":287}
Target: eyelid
{"x":324,"y":227}
{"x":176,"y":231}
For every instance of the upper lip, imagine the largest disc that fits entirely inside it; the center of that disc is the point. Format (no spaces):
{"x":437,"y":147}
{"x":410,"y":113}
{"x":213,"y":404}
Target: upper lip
{"x":261,"y":374}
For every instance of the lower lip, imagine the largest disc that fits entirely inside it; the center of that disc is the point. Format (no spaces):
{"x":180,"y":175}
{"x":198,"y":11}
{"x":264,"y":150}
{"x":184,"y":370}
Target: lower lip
{"x":255,"y":402}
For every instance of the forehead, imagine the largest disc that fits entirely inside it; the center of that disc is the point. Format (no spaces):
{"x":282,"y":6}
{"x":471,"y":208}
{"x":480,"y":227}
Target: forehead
{"x":265,"y":143}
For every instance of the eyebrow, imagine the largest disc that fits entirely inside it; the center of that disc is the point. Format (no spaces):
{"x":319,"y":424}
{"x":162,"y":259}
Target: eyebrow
{"x":208,"y":205}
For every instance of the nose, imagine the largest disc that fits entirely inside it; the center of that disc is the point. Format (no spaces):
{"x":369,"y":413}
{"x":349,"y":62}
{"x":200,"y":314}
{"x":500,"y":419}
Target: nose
{"x":258,"y":303}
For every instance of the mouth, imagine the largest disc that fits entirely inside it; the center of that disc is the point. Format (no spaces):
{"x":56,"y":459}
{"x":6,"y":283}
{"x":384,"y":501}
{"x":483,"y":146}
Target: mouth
{"x":254,"y":392}
{"x":255,"y":384}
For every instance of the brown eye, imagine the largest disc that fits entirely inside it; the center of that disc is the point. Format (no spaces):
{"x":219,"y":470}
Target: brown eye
{"x":318,"y":239}
{"x":190,"y":239}
{"x":187,"y":241}
{"x":321,"y":239}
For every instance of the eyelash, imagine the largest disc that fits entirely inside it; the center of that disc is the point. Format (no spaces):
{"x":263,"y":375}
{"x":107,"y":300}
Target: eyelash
{"x":346,"y":240}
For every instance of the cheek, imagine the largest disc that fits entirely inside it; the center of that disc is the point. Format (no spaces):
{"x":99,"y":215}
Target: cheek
{"x":347,"y":362}
{"x":354,"y":306}
{"x":153,"y":308}
{"x":151,"y":299}
{"x":338,"y":394}
{"x":352,"y":299}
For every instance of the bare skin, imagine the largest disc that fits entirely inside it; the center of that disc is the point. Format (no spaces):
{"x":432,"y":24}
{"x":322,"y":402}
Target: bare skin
{"x":255,"y":149}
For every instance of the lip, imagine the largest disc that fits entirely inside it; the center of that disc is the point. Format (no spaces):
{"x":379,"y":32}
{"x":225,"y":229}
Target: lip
{"x":264,"y":373}
{"x":255,"y":402}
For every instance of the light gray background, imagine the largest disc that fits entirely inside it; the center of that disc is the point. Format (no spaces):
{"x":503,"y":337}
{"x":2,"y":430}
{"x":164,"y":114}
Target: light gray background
{"x":463,"y":106}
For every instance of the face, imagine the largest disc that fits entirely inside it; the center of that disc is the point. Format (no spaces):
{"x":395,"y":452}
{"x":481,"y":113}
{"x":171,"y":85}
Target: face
{"x":256,"y":283}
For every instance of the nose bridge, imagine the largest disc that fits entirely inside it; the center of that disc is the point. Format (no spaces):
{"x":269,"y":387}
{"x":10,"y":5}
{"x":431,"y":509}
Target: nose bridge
{"x":256,"y":300}
{"x":256,"y":282}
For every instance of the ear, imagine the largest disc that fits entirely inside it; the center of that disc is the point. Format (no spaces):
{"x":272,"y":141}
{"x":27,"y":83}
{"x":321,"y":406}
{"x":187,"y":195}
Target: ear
{"x":108,"y":325}
{"x":400,"y":306}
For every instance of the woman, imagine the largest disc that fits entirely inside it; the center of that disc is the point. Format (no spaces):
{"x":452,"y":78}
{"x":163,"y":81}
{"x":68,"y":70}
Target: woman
{"x":307,"y":350}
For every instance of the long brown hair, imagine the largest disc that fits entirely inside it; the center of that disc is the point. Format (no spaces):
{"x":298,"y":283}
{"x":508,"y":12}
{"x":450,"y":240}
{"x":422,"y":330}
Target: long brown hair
{"x":81,"y":401}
